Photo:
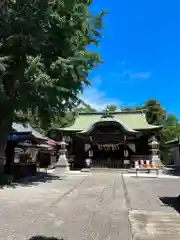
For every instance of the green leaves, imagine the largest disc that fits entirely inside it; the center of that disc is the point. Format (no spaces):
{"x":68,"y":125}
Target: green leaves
{"x":47,"y":42}
{"x":110,"y":108}
{"x":4,"y":62}
{"x":156,"y":115}
{"x":154,"y":112}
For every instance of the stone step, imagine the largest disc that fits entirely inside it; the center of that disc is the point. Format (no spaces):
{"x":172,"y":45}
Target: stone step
{"x":109,"y":170}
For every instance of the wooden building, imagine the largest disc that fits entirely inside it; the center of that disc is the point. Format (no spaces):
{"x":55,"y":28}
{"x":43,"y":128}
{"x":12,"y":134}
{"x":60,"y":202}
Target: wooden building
{"x":25,"y":156}
{"x":171,"y":152}
{"x":112,"y":140}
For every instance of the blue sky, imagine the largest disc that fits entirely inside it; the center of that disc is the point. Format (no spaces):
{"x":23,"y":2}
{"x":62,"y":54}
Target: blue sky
{"x":141,"y":53}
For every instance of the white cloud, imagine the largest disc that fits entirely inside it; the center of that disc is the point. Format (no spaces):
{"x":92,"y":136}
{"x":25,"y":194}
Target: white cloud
{"x":97,"y":99}
{"x":127,"y":74}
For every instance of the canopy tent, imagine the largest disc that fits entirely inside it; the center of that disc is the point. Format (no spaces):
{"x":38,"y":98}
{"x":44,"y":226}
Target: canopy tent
{"x":26,"y":128}
{"x":19,"y":137}
{"x":22,"y":132}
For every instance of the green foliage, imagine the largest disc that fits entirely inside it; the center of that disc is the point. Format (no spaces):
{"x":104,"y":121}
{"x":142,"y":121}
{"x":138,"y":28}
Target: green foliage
{"x":44,"y":59}
{"x":110,"y":108}
{"x":171,"y":120}
{"x":127,"y":109}
{"x":84,"y":107}
{"x":140,"y":108}
{"x":154,"y":112}
{"x":171,"y":128}
{"x":65,"y":120}
{"x":156,"y":115}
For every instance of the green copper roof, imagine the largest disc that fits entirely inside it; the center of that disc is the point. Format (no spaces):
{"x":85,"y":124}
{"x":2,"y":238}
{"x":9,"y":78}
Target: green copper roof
{"x":131,"y":121}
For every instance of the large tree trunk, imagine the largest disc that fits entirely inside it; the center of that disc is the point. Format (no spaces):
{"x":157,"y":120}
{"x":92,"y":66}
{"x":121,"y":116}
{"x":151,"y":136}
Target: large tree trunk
{"x":6,"y":119}
{"x":5,"y":127}
{"x":3,"y":7}
{"x":6,"y":109}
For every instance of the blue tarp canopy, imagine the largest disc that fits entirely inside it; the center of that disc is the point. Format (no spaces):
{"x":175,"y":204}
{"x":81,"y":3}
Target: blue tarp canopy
{"x":26,"y":128}
{"x":18,"y":137}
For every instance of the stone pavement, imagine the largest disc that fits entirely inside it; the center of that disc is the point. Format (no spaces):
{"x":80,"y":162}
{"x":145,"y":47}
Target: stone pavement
{"x":98,"y":206}
{"x":76,"y":207}
{"x":153,"y":208}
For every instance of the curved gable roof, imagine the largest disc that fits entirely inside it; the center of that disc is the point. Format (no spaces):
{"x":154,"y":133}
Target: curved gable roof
{"x":131,"y":121}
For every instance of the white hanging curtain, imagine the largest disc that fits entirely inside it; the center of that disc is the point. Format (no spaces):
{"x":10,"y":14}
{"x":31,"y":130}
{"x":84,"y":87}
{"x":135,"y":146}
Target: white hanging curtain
{"x":126,"y":153}
{"x":90,"y":153}
{"x":87,"y":147}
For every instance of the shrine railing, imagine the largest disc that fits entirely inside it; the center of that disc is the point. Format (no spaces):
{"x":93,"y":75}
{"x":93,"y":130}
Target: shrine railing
{"x":108,"y":163}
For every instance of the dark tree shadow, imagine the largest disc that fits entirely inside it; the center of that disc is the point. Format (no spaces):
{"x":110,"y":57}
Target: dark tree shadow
{"x":145,"y":177}
{"x":32,"y":180}
{"x":173,"y":171}
{"x":44,"y":238}
{"x":173,"y":202}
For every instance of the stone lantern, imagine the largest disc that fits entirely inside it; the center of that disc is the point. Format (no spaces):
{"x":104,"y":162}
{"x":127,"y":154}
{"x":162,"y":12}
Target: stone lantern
{"x":62,"y":163}
{"x":154,"y":148}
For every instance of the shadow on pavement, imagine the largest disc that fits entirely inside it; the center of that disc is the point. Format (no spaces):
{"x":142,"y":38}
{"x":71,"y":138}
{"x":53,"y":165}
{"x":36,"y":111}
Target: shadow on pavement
{"x":173,"y":202}
{"x":173,"y":171}
{"x":44,"y":238}
{"x":147,"y":177}
{"x":32,"y":181}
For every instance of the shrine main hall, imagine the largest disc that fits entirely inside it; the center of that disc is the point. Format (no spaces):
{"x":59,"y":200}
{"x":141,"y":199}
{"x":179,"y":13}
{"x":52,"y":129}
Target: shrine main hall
{"x":111,"y":140}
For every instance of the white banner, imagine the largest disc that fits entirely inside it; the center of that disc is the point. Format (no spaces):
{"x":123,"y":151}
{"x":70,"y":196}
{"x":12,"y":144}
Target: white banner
{"x":87,"y":147}
{"x":90,"y":153}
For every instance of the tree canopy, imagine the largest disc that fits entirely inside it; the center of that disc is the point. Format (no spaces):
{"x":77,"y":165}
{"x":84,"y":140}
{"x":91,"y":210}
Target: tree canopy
{"x":44,"y":59}
{"x":111,"y":108}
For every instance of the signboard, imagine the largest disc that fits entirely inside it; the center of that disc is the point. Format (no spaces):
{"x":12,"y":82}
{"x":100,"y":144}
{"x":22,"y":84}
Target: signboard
{"x":127,"y":162}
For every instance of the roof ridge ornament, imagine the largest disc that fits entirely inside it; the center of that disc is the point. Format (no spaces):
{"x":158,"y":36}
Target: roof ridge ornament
{"x":107,"y":114}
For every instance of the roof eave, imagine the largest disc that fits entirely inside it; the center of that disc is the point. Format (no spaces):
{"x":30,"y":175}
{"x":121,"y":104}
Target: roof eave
{"x":173,"y":141}
{"x":67,"y":129}
{"x":127,"y":129}
{"x":100,"y":113}
{"x":150,"y":127}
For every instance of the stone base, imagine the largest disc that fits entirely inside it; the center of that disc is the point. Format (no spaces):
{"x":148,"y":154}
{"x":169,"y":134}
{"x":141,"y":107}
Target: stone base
{"x":85,"y":170}
{"x":156,"y":160}
{"x":62,"y":169}
{"x":178,"y":197}
{"x":62,"y":165}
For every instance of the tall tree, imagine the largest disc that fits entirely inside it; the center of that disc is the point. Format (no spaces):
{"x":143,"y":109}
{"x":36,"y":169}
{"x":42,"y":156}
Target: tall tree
{"x":84,"y":107}
{"x":3,"y":8}
{"x":171,"y":128}
{"x":156,"y":115}
{"x":171,"y":120}
{"x":45,"y":59}
{"x":127,"y":109}
{"x":111,"y":108}
{"x":140,"y":107}
{"x":154,"y":112}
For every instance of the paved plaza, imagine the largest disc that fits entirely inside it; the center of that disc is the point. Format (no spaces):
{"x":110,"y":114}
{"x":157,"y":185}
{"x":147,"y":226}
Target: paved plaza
{"x":97,"y":206}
